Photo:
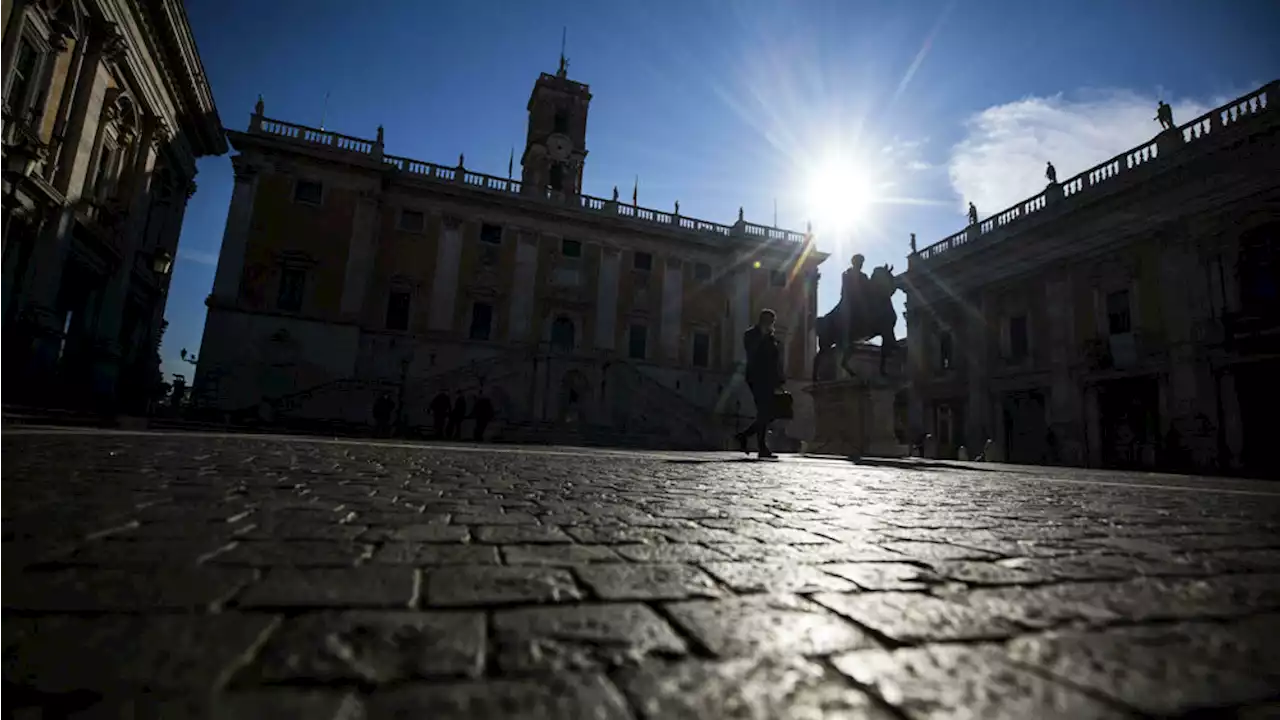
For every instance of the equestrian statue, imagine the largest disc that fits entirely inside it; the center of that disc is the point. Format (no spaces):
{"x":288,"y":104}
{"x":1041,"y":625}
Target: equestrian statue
{"x":865,"y":311}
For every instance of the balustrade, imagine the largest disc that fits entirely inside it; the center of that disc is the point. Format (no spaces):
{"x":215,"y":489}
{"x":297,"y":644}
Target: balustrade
{"x":1231,"y":113}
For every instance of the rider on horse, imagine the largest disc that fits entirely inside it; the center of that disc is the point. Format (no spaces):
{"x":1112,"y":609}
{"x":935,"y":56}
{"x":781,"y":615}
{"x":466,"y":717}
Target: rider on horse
{"x":853,"y":295}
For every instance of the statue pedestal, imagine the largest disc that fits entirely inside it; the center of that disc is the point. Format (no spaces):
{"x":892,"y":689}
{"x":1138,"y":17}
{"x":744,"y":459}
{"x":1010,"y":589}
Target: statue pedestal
{"x":854,"y":418}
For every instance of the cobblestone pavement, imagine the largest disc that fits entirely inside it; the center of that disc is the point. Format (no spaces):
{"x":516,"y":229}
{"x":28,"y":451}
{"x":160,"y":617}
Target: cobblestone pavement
{"x":169,"y":575}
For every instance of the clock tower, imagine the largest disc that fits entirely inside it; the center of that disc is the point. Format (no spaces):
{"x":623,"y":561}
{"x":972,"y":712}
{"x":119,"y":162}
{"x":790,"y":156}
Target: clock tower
{"x":555,"y":147}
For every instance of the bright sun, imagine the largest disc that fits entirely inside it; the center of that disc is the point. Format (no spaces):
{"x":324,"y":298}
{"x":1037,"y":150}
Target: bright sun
{"x":839,"y":196}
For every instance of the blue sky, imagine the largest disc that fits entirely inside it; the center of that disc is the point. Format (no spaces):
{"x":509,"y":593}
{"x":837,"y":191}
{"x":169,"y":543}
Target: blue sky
{"x":922,"y":104}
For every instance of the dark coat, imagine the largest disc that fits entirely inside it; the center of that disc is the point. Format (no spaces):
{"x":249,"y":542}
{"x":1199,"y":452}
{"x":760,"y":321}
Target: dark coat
{"x":440,"y":405}
{"x":764,"y":359}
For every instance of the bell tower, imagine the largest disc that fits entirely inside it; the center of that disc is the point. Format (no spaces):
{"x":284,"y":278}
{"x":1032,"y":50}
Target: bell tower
{"x":556,"y":148}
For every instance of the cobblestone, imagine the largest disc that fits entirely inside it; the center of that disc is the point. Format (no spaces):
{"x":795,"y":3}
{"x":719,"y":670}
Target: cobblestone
{"x":172,"y":575}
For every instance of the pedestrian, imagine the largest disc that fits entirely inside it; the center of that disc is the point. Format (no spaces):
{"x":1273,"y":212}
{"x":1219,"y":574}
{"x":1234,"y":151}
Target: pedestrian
{"x":483,"y":413}
{"x":764,"y":377}
{"x":382,"y":408}
{"x":440,"y":407}
{"x":456,"y":416}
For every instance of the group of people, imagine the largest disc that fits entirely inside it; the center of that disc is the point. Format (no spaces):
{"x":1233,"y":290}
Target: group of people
{"x":447,"y":415}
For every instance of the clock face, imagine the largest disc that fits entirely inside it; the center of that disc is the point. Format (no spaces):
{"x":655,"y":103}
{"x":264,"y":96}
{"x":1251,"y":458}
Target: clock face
{"x":559,"y":146}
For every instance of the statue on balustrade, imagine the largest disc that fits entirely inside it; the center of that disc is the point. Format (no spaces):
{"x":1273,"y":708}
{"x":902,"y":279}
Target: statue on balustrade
{"x":913,"y":244}
{"x":1164,"y":114}
{"x":1051,"y":173}
{"x":865,"y":311}
{"x":973,"y":214}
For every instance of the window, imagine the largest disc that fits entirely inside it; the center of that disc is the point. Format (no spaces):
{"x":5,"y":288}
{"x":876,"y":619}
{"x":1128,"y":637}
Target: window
{"x":701,"y":349}
{"x":557,"y":177}
{"x":701,"y":271}
{"x":571,"y":248}
{"x":1118,"y":320}
{"x":22,"y":83}
{"x":636,"y":342}
{"x":491,"y":234}
{"x":481,"y":321}
{"x":944,"y":351}
{"x":643,"y":261}
{"x":1018,"y":341}
{"x":398,"y":310}
{"x":412,"y":220}
{"x":106,"y":172}
{"x":292,"y":283}
{"x":562,"y":334}
{"x":561,"y":122}
{"x":308,"y":191}
{"x":778,"y":278}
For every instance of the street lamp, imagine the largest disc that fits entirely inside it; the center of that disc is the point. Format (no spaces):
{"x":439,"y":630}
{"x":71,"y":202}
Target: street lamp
{"x":161,"y":262}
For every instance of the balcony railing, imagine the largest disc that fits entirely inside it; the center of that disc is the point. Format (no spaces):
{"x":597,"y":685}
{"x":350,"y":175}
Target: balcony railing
{"x":490,"y":183}
{"x":1102,"y":176}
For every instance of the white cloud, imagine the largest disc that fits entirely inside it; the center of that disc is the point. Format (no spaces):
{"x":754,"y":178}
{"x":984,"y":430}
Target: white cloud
{"x":1002,"y":158}
{"x":199,"y":257}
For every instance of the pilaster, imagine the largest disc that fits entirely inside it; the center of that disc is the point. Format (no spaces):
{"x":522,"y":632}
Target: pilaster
{"x":607,"y":298}
{"x":444,"y":288}
{"x":523,"y":287}
{"x":360,"y":256}
{"x":235,"y":236}
{"x":672,"y":301}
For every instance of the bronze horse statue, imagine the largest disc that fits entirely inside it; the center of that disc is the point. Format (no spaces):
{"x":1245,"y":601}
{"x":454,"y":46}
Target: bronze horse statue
{"x":873,"y":316}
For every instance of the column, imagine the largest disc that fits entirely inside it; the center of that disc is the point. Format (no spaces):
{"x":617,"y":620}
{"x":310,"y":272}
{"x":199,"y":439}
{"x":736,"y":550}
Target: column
{"x":360,"y":256}
{"x":607,"y":298}
{"x":444,"y":288}
{"x":523,"y":284}
{"x":810,"y":338}
{"x":740,"y":310}
{"x":978,"y":369}
{"x":917,"y":361}
{"x":672,"y":302}
{"x":235,"y":236}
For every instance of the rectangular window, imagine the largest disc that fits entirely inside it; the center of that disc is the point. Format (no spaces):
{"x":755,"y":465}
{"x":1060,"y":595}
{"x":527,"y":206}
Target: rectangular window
{"x":944,"y":351}
{"x":1019,"y":344}
{"x":398,"y":311}
{"x":102,"y":179}
{"x":25,"y":67}
{"x":637,"y":341}
{"x":561,"y":122}
{"x":643,"y":261}
{"x":412,"y":220}
{"x":778,"y":278}
{"x":308,"y":191}
{"x":701,"y":271}
{"x":701,"y":349}
{"x":1118,"y":319}
{"x":293,"y":282}
{"x":481,"y":321}
{"x":571,"y":248}
{"x":491,"y":234}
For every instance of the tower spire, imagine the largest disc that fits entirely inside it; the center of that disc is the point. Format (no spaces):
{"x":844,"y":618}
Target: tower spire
{"x":564,"y":63}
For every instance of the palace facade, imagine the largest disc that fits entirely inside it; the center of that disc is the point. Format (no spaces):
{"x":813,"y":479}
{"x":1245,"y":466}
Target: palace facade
{"x":347,"y":272}
{"x":106,"y":108}
{"x":1128,"y":317}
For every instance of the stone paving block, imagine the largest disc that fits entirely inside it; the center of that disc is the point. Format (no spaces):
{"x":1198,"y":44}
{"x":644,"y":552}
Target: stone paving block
{"x":551,"y":697}
{"x":670,"y":553}
{"x":88,"y":589}
{"x":494,"y":518}
{"x":298,"y":553}
{"x":370,"y":647}
{"x":917,"y":617}
{"x":433,"y":532}
{"x":634,"y":581}
{"x":383,"y":586}
{"x":767,"y":624}
{"x":520,"y":534}
{"x":951,"y":681}
{"x":276,"y":704}
{"x":413,"y":553}
{"x":776,"y":577}
{"x":581,"y":637}
{"x":760,"y":552}
{"x":840,"y":553}
{"x":1166,"y":669}
{"x":927,"y":551}
{"x":332,"y":531}
{"x":607,"y":534}
{"x":151,"y":553}
{"x":883,"y":575}
{"x":558,"y":554}
{"x":704,"y":535}
{"x":126,"y":654}
{"x":480,"y":585}
{"x":757,"y":688}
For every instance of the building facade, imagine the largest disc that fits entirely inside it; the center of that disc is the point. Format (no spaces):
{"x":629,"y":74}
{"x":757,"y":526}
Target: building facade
{"x":347,"y":272}
{"x":1127,"y":317}
{"x":106,"y":108}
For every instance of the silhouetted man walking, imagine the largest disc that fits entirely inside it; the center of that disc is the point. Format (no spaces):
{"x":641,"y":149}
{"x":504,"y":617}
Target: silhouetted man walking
{"x":483,"y":414}
{"x":456,"y":416}
{"x":764,"y":376}
{"x":440,"y":406}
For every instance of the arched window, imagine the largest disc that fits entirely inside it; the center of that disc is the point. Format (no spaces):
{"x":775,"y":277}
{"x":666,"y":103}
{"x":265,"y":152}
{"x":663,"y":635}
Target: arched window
{"x":117,"y":138}
{"x":562,"y":334}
